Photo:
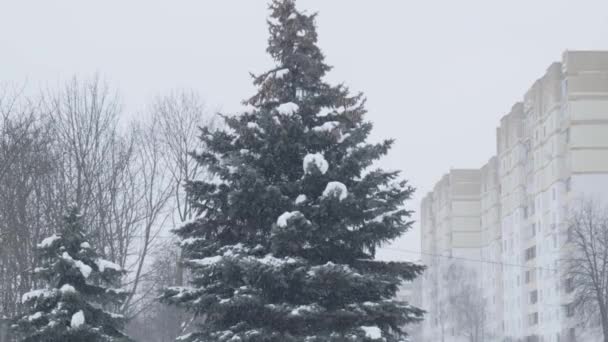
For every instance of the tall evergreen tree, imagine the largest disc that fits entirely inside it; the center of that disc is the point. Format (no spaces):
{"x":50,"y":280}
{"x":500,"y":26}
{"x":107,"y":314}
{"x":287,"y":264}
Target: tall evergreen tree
{"x":283,"y":247}
{"x":78,"y":294}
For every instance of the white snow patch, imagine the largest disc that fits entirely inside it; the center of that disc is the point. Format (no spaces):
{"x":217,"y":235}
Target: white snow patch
{"x":316,"y":159}
{"x":300,"y":309}
{"x":327,"y":126}
{"x":67,"y":256}
{"x":192,"y":220}
{"x":292,"y":16}
{"x":281,"y":73}
{"x":301,"y":199}
{"x":35,"y":294}
{"x":282,"y":220}
{"x":183,"y":337}
{"x":253,"y":125}
{"x":102,"y":264}
{"x":248,"y":108}
{"x":380,"y":218}
{"x":372,"y":332}
{"x":189,"y":241}
{"x":335,"y":189}
{"x":288,"y":108}
{"x":207,"y":261}
{"x":231,"y":250}
{"x":343,"y":137}
{"x":85,"y":245}
{"x":48,"y":241}
{"x":272,"y":261}
{"x":35,"y":316}
{"x":199,"y":151}
{"x":325,"y":111}
{"x":85,"y":269}
{"x":232,"y":169}
{"x":313,"y":270}
{"x":77,"y":319}
{"x":115,"y":315}
{"x":67,"y":288}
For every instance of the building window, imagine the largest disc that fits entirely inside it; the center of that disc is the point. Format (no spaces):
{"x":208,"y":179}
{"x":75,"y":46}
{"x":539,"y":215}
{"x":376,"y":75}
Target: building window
{"x":528,"y":276}
{"x":569,"y":310}
{"x":533,"y":318}
{"x":570,"y":234}
{"x":530,"y":253}
{"x":533,"y":297}
{"x":569,"y":285}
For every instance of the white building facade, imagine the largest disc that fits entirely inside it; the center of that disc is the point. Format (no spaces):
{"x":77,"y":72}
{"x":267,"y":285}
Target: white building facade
{"x":509,"y":215}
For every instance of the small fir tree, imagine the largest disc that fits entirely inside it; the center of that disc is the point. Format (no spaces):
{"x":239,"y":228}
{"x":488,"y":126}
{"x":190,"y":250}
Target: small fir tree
{"x":78,"y":295}
{"x":283,"y":247}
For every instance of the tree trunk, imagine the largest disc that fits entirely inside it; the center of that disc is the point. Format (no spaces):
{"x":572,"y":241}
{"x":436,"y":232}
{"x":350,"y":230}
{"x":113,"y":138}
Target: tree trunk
{"x":3,"y":330}
{"x":603,"y":317}
{"x":605,"y":328}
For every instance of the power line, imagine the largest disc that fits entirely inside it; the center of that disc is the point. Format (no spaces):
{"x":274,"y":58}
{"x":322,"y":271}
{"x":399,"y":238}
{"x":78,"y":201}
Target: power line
{"x":407,"y":251}
{"x":468,"y":259}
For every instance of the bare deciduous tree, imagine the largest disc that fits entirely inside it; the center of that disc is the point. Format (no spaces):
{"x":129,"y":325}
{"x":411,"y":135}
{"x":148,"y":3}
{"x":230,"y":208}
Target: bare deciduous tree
{"x":465,"y":304}
{"x":159,"y":322}
{"x":26,"y":174}
{"x":173,"y":132}
{"x":114,"y":172}
{"x":180,"y":116}
{"x":586,"y":275}
{"x":69,"y":145}
{"x":154,"y":191}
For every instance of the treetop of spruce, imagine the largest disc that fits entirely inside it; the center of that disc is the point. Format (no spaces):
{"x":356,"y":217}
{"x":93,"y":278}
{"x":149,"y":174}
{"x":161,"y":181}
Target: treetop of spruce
{"x":283,"y":247}
{"x":77,"y":294}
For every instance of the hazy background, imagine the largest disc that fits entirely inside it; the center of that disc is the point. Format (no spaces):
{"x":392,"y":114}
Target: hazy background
{"x":438,"y":75}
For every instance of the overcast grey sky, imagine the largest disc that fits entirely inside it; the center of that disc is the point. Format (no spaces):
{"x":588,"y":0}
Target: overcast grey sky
{"x":438,"y":75}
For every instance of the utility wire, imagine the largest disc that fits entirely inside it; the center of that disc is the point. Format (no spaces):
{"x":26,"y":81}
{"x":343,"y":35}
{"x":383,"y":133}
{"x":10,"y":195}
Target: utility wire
{"x":407,"y":251}
{"x":468,"y":259}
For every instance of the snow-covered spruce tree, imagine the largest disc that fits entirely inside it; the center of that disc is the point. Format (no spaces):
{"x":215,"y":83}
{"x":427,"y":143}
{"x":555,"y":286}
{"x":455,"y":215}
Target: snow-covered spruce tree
{"x":78,"y":293}
{"x":283,"y":246}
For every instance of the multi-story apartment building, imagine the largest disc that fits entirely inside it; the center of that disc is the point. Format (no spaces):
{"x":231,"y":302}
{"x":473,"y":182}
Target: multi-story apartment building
{"x":450,"y":217}
{"x":491,"y":247}
{"x":507,"y":219}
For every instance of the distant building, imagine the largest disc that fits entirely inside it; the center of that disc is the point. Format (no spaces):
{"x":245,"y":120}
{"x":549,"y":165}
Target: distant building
{"x":506,"y":219}
{"x":450,"y":228}
{"x":410,"y":292}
